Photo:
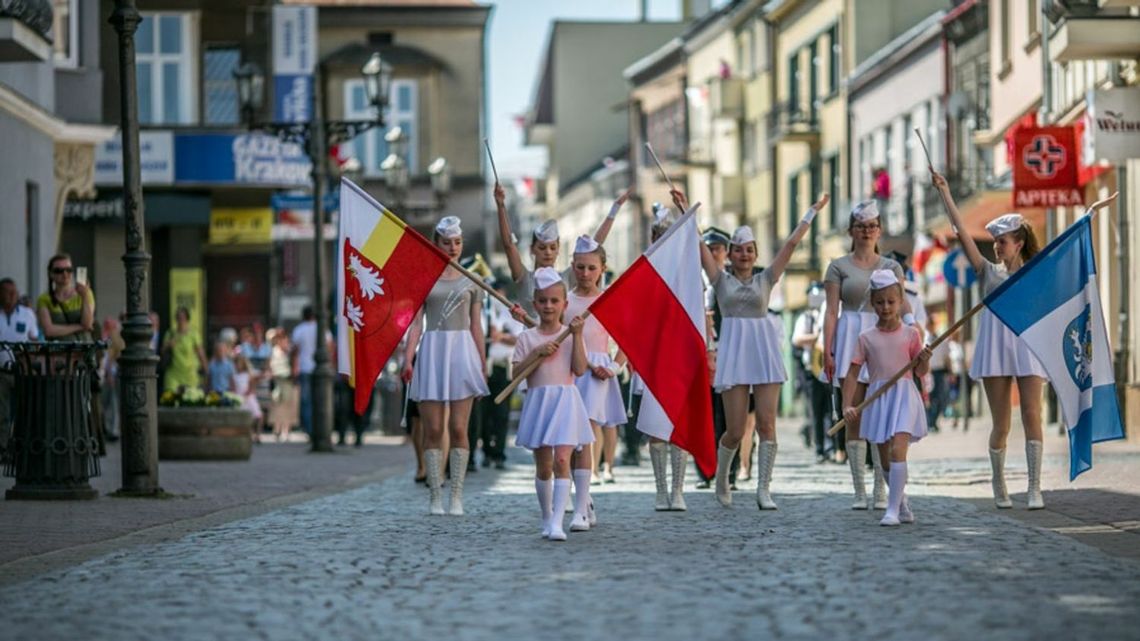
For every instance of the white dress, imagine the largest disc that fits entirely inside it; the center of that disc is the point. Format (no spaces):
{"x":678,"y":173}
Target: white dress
{"x":748,"y":346}
{"x":997,"y":350}
{"x":552,"y":412}
{"x":855,"y":315}
{"x":602,"y":398}
{"x":900,"y":409}
{"x":448,"y":367}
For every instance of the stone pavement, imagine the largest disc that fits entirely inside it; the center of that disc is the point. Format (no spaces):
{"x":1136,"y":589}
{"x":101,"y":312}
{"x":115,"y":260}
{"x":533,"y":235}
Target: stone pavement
{"x":369,"y":564}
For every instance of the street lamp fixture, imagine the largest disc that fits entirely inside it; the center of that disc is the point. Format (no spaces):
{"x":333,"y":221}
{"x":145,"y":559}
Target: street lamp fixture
{"x":316,"y":137}
{"x":440,"y":173}
{"x":352,"y":170}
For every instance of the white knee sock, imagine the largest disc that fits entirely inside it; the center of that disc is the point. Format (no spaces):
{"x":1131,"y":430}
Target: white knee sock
{"x":558,"y":508}
{"x":897,"y":481}
{"x":581,"y":491}
{"x":545,"y":492}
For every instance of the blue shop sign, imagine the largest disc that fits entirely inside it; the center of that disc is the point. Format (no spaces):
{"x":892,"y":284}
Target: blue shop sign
{"x":304,"y":201}
{"x":239,"y":159}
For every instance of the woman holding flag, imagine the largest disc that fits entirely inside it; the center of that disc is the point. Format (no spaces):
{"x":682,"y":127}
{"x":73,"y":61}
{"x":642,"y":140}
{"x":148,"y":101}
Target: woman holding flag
{"x":753,"y":362}
{"x":847,"y":286}
{"x":449,"y":370}
{"x":1000,"y":357}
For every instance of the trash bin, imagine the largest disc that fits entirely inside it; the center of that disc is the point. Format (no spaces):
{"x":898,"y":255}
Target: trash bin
{"x":52,"y":452}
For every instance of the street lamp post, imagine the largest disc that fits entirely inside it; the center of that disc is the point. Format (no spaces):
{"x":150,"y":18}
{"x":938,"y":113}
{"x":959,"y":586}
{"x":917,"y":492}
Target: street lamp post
{"x":315,"y":137}
{"x":138,"y":362}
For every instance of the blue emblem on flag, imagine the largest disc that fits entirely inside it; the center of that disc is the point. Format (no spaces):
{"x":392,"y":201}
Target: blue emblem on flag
{"x":1078,"y":349}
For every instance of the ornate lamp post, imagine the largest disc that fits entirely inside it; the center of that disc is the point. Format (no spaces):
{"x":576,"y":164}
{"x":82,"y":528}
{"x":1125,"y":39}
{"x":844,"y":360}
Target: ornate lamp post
{"x":138,"y":363}
{"x":316,"y":137}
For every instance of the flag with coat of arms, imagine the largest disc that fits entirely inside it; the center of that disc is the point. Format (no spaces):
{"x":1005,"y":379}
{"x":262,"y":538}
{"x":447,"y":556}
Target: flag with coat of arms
{"x":384,"y":271}
{"x":1053,"y":304}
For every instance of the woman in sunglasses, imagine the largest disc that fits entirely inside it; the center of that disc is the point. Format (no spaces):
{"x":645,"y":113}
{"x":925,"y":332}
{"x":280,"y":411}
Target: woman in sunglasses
{"x":66,"y":312}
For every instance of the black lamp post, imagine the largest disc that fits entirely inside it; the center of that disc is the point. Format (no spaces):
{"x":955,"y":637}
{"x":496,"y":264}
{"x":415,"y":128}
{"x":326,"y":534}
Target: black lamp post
{"x":138,"y":363}
{"x":315,"y":137}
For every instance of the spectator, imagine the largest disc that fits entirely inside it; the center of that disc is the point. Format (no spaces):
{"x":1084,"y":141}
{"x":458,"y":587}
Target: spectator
{"x":220,"y":372}
{"x":254,"y":347}
{"x":245,"y":385}
{"x":304,"y":341}
{"x":283,"y":404}
{"x":18,"y":326}
{"x":807,"y":342}
{"x":66,"y":312}
{"x":504,"y":333}
{"x":110,"y":374}
{"x":940,"y":372}
{"x":154,"y":333}
{"x":183,"y":354}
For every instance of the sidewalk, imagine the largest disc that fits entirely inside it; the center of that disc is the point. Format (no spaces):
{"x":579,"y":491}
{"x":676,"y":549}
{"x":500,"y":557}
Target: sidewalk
{"x":204,"y":493}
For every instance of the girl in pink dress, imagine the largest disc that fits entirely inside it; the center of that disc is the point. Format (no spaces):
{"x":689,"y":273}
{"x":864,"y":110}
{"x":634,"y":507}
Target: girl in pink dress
{"x":897,"y":418}
{"x":553,"y":423}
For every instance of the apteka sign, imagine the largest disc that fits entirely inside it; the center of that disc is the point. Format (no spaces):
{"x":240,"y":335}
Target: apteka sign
{"x":1045,"y":168}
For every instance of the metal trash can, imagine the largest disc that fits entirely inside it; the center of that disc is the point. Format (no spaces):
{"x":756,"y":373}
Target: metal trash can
{"x":52,"y":452}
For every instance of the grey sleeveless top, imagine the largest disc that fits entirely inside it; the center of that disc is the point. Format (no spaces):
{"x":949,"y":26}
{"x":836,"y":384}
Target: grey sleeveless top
{"x":449,"y":304}
{"x":738,"y":299}
{"x":853,"y":280}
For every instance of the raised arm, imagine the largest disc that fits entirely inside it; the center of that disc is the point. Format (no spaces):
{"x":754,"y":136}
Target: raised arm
{"x":708,"y":262}
{"x":975,"y":257}
{"x":87,"y":315}
{"x":604,"y":229}
{"x":780,"y":261}
{"x":509,"y":247}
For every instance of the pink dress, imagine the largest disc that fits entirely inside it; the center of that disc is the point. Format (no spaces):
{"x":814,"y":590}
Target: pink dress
{"x":601,"y":397}
{"x":248,"y":396}
{"x":552,"y":412}
{"x":900,"y":409}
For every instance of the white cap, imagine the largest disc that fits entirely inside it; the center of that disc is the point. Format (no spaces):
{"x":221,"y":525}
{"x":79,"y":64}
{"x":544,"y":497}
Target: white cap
{"x":547,"y":232}
{"x":1005,"y":224}
{"x":881,"y":278}
{"x":865,"y":211}
{"x":662,"y":216}
{"x":743,"y":235}
{"x":448,"y":227}
{"x":545,"y":277}
{"x":585,"y":244}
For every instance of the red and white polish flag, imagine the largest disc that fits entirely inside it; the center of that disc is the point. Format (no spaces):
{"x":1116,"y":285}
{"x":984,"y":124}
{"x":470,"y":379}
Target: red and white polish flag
{"x":655,"y":313}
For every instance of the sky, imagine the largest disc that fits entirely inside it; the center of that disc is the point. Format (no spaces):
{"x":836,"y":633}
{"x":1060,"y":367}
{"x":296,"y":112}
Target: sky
{"x":518,"y":35}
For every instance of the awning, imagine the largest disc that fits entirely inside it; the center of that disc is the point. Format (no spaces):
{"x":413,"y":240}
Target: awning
{"x":983,"y":207}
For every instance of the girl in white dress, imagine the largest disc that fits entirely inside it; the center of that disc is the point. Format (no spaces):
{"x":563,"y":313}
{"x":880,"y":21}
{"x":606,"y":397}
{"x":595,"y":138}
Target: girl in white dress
{"x":897,"y":418}
{"x":750,"y":359}
{"x":599,"y":385}
{"x":849,"y":313}
{"x":1000,"y":357}
{"x":449,"y":372}
{"x":553,"y":422}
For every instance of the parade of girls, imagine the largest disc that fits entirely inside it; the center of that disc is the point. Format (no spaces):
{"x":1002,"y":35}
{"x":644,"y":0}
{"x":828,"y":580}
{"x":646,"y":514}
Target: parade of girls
{"x":568,"y":367}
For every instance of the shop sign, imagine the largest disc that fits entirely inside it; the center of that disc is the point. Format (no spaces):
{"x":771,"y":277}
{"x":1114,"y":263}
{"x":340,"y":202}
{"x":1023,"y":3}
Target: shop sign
{"x":240,"y":226}
{"x":156,"y":159}
{"x":294,"y":58}
{"x":1112,"y":125}
{"x":1045,"y":168}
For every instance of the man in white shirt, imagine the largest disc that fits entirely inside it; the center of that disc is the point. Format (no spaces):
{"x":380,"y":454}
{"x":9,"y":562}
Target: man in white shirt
{"x":304,"y":351}
{"x":17,"y":325}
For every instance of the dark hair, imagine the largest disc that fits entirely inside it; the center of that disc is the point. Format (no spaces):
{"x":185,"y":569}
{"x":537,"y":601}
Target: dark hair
{"x":52,"y":261}
{"x":7,"y":281}
{"x":183,"y":309}
{"x":307,"y":313}
{"x":850,"y":224}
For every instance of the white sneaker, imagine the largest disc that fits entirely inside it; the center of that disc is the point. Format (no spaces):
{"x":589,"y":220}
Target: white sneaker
{"x":591,"y":515}
{"x":557,"y":533}
{"x":580,"y":523}
{"x":889,"y":520}
{"x":608,"y":475}
{"x":905,"y":515}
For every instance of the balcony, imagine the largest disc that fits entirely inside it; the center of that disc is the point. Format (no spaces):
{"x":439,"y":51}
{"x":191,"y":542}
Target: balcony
{"x":793,"y":122}
{"x":1096,"y":38}
{"x":726,"y":97}
{"x":25,"y":29}
{"x":728,"y":194}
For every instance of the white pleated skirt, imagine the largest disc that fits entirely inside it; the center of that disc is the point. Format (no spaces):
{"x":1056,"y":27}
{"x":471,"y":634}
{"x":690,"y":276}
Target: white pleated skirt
{"x":847,"y":331}
{"x":447,"y":368}
{"x":999,"y":352}
{"x":553,"y":415}
{"x":651,"y":417}
{"x":748,"y":353}
{"x":899,"y":410}
{"x":601,"y":398}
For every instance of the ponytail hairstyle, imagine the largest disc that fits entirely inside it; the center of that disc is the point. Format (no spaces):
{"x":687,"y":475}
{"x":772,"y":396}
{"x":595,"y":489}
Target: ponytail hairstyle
{"x":1029,"y":244}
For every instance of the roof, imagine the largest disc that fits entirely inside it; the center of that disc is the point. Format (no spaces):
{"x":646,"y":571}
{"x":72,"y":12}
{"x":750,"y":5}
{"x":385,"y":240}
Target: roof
{"x":669,"y":54}
{"x":355,"y":54}
{"x":897,"y":50}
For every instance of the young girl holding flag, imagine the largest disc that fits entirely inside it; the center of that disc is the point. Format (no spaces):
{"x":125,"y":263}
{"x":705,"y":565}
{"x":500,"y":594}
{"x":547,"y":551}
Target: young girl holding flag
{"x":553,"y":423}
{"x":897,"y":418}
{"x":1000,"y":357}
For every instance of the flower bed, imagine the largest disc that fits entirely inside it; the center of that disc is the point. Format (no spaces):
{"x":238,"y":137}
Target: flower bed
{"x":197,"y":426}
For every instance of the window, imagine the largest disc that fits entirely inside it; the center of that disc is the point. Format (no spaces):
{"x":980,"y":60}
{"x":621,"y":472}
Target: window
{"x":833,"y":60}
{"x":794,"y":82}
{"x":813,"y":77}
{"x":370,"y":148}
{"x":793,"y":201}
{"x":65,"y":32}
{"x":1003,"y":33}
{"x":749,"y":155}
{"x":219,"y":89}
{"x":665,"y":130}
{"x":833,"y":187}
{"x":165,"y":58}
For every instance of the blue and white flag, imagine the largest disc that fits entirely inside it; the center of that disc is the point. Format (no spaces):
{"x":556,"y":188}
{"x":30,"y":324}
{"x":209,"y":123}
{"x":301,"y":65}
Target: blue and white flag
{"x":1053,"y":304}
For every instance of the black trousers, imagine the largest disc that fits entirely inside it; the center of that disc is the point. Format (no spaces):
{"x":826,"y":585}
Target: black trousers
{"x":819,"y":395}
{"x":939,"y":397}
{"x":496,"y":417}
{"x":346,"y":413}
{"x":631,"y":437}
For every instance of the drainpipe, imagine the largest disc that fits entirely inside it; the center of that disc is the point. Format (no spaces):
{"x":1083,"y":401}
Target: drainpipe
{"x":1123,"y":261}
{"x":1044,"y":116}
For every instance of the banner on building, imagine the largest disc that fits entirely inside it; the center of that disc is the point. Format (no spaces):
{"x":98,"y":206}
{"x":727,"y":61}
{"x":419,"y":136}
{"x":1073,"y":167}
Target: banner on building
{"x":186,"y":291}
{"x":246,"y":226}
{"x":294,"y":58}
{"x":247,"y":159}
{"x":1044,"y":163}
{"x":156,"y":159}
{"x":1112,"y":125}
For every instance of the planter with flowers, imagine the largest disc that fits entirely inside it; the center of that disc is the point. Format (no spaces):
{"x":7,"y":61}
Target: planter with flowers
{"x":193,"y":425}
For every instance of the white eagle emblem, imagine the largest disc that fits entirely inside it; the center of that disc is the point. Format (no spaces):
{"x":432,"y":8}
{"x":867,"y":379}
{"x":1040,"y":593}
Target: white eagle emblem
{"x":1079,"y":349}
{"x":370,"y":281}
{"x":354,"y":314}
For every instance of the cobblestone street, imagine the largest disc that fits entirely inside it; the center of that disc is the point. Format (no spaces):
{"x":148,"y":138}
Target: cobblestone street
{"x":369,"y":563}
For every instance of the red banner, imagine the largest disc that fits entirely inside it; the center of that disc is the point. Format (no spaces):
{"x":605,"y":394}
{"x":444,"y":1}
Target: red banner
{"x":1045,"y":168}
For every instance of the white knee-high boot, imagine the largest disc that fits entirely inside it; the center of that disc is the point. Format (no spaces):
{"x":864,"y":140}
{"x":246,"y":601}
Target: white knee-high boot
{"x":879,"y":489}
{"x":766,"y":459}
{"x":856,"y":455}
{"x":1034,"y":452}
{"x":581,"y":520}
{"x":724,"y":456}
{"x":898,"y":486}
{"x":545,"y":492}
{"x":997,"y":465}
{"x":458,"y":466}
{"x":558,"y":507}
{"x":659,"y":456}
{"x":433,"y":464}
{"x":680,"y":461}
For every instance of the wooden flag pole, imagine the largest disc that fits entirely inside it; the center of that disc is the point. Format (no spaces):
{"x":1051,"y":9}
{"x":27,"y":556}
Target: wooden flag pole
{"x":909,"y":366}
{"x":492,"y":159}
{"x":527,"y":366}
{"x":658,"y":163}
{"x":529,"y":322}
